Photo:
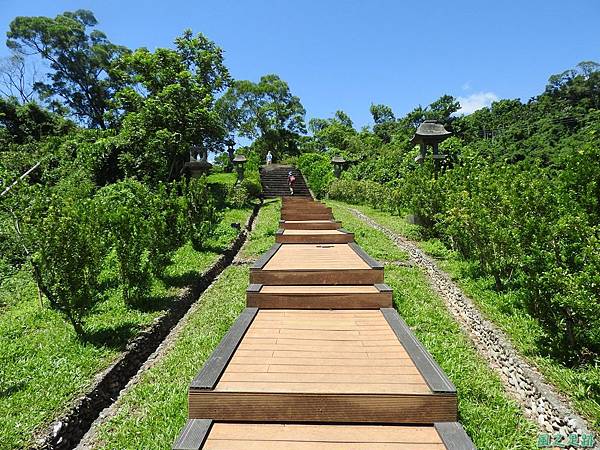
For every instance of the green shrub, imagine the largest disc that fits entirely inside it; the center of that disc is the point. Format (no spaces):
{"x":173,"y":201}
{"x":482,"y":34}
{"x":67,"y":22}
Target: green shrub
{"x":125,"y":212}
{"x":318,"y":172}
{"x":66,"y":255}
{"x":252,"y":186}
{"x":364,"y":192}
{"x":201,"y":212}
{"x":238,"y":196}
{"x":167,"y":225}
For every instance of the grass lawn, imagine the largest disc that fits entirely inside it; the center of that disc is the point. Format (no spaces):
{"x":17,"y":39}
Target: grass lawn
{"x":580,"y":384}
{"x":489,"y":415}
{"x":222,"y":177}
{"x":43,"y":364}
{"x":151,"y":413}
{"x":263,"y":235}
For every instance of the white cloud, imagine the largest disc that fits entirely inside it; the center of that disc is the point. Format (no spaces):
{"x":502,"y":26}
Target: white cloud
{"x":466,"y":86}
{"x":476,"y":101}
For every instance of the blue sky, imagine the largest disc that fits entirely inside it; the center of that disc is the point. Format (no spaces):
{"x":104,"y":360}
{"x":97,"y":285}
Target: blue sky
{"x":349,"y":54}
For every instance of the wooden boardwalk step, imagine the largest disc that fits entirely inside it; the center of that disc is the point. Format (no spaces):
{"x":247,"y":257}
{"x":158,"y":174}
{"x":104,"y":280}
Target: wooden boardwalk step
{"x":329,"y":264}
{"x":307,"y":215}
{"x":214,"y":435}
{"x":310,"y":224}
{"x":313,"y":236}
{"x":319,"y":297}
{"x":352,"y":366}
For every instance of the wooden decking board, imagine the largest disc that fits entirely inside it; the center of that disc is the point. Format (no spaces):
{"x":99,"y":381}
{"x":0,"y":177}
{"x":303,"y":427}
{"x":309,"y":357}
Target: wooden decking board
{"x":257,"y":381}
{"x":308,"y":290}
{"x":330,"y":335}
{"x":322,"y":264}
{"x":295,"y":369}
{"x":307,"y":236}
{"x":193,"y":435}
{"x":322,"y":407}
{"x":215,"y":365}
{"x":453,"y":436}
{"x":431,"y":371}
{"x":319,"y":224}
{"x":312,"y":232}
{"x":317,"y":207}
{"x":290,"y":436}
{"x":308,"y":216}
{"x":290,"y":257}
{"x":317,"y":297}
{"x":326,"y":433}
{"x":360,"y":362}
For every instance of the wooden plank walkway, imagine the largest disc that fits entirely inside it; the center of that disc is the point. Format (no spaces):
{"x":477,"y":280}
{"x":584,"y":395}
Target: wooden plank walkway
{"x":319,"y":358}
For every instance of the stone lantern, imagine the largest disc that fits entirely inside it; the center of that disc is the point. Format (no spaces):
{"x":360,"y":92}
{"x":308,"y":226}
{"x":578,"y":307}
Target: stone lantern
{"x":239,"y":162}
{"x":429,"y":134}
{"x":338,"y":165}
{"x":230,"y":143}
{"x":198,"y":163}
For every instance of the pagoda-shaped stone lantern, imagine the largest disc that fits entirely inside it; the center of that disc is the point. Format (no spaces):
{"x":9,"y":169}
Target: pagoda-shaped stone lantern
{"x":198,"y":163}
{"x":230,"y":143}
{"x":429,"y":134}
{"x":338,"y":165}
{"x":239,"y":162}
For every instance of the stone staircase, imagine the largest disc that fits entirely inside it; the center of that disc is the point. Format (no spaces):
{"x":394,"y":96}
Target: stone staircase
{"x":274,"y":181}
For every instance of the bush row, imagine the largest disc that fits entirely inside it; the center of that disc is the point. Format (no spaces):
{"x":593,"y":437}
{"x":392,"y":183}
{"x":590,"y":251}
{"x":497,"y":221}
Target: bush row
{"x":318,"y":172}
{"x":71,"y":232}
{"x":531,"y":229}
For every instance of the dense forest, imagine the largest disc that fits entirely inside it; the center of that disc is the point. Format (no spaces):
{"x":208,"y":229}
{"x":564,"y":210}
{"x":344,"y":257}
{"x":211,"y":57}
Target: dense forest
{"x":108,"y":129}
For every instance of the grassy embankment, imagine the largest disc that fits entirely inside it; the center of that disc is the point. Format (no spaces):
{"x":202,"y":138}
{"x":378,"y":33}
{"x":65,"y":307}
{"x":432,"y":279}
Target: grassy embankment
{"x":44,"y":365}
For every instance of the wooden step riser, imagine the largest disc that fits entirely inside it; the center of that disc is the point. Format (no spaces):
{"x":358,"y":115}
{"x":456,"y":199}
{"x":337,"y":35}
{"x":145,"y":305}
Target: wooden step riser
{"x":305,"y":210}
{"x":315,"y":239}
{"x":295,"y":201}
{"x":333,"y":277}
{"x":324,"y":408}
{"x":307,"y":216}
{"x":320,"y":301}
{"x":301,"y":205}
{"x":283,"y":194}
{"x":311,"y":226}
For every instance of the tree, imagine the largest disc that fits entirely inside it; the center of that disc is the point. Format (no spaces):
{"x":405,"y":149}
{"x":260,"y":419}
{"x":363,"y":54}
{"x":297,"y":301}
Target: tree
{"x":15,"y":81}
{"x":385,"y":122}
{"x":442,"y":109}
{"x":80,"y":61}
{"x":333,"y":134}
{"x":168,"y":105}
{"x":29,"y":122}
{"x":266,"y":111}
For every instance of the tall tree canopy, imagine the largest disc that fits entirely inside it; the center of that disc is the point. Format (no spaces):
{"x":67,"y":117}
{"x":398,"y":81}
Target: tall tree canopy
{"x":80,"y":61}
{"x":267,"y":111}
{"x":167,"y":105}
